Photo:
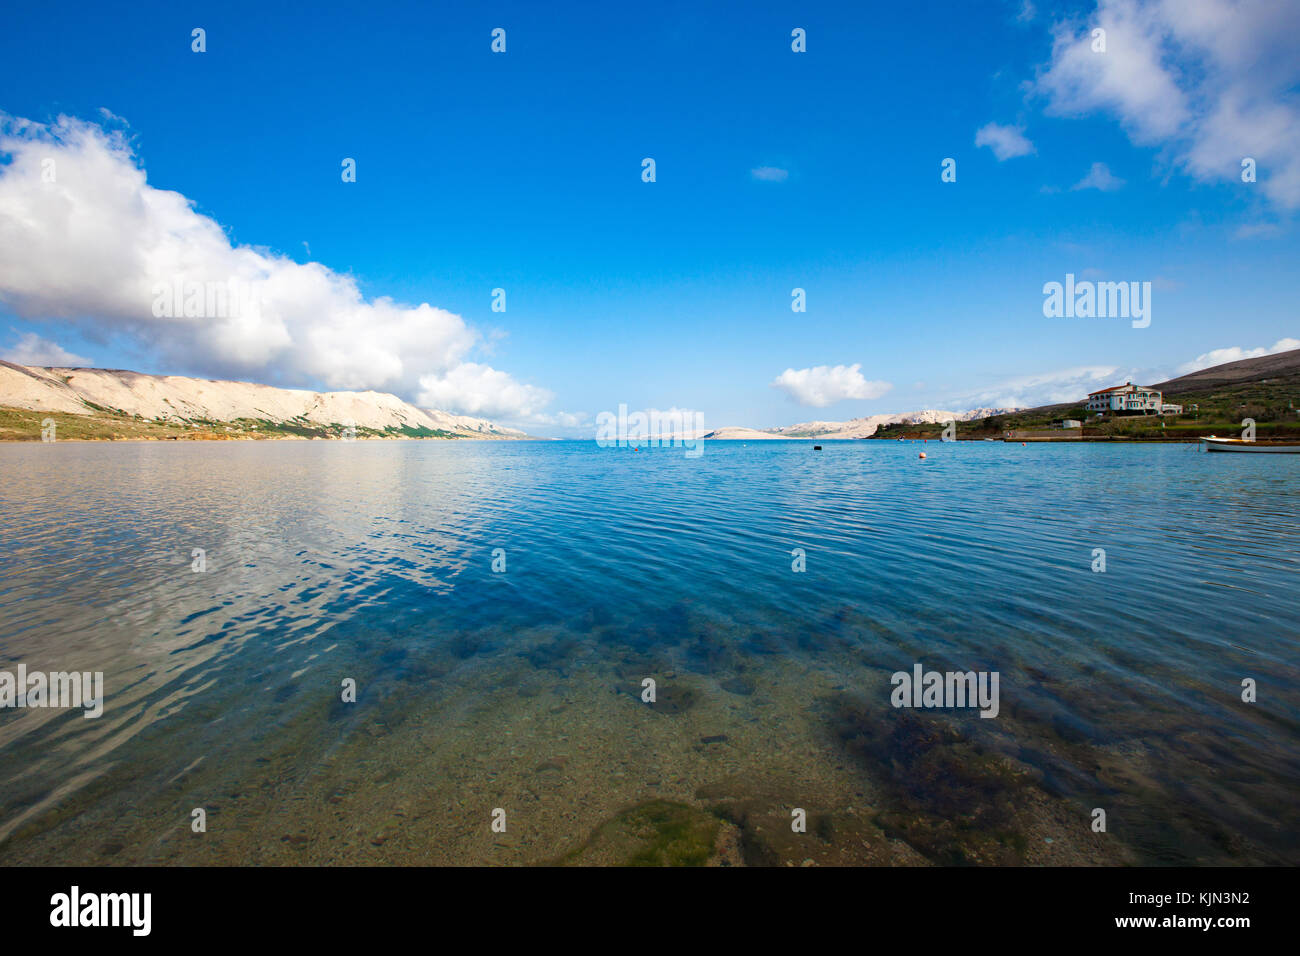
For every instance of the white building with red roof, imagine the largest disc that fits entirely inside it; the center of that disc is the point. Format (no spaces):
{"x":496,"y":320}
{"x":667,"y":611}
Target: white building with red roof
{"x":1126,"y":398}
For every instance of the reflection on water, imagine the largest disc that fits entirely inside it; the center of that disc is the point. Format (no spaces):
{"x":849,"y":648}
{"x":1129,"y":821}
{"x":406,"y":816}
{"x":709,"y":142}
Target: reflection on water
{"x":522,"y":690}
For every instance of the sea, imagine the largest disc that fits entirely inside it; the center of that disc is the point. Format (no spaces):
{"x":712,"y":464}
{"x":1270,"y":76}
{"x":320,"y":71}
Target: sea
{"x":459,"y":652}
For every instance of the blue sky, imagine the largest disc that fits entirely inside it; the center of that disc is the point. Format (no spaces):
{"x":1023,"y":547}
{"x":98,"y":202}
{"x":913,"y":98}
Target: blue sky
{"x":523,"y":171}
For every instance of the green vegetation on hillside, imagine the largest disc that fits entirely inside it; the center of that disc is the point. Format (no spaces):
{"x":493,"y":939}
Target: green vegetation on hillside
{"x":1272,"y":403}
{"x":17,"y":424}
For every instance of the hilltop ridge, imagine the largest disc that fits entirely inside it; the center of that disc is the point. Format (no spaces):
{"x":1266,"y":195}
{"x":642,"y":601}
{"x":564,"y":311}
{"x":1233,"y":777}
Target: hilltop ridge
{"x":179,"y":401}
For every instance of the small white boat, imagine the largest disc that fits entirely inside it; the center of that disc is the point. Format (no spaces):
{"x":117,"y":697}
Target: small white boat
{"x":1240,"y":444}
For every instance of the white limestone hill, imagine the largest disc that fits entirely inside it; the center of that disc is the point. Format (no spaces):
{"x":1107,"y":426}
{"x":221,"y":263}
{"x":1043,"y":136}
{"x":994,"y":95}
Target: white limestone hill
{"x":175,"y":398}
{"x":854,"y":427}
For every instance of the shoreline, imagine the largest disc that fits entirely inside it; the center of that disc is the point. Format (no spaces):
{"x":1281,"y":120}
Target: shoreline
{"x":244,"y":439}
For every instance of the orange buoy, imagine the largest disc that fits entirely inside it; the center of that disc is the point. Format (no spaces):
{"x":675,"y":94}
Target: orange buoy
{"x":922,"y":454}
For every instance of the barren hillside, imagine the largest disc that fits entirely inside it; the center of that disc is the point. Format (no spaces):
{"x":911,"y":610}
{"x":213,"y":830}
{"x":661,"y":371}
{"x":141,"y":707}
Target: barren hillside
{"x":174,"y":399}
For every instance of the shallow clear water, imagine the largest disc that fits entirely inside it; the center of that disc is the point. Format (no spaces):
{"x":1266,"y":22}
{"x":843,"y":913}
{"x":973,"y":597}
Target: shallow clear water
{"x":521,"y":690}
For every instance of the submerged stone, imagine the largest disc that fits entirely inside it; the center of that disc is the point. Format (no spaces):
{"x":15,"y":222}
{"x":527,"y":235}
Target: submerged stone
{"x":743,"y":686}
{"x":947,"y":795}
{"x":655,"y":833}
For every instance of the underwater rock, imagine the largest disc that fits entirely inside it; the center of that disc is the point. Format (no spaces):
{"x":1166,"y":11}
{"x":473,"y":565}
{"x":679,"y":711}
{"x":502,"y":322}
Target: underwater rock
{"x":834,"y":836}
{"x":675,"y":698}
{"x":706,"y":656}
{"x":655,"y":833}
{"x":553,"y":655}
{"x":947,"y":795}
{"x":740,"y":684}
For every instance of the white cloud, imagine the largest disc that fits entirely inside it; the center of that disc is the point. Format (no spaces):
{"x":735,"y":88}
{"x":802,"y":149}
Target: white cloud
{"x":1235,"y":354}
{"x":475,"y":389}
{"x":770,"y":174}
{"x":98,"y":245}
{"x":1257,"y":230}
{"x":825,"y":385}
{"x":1070,"y":385}
{"x":1007,"y":142}
{"x":567,"y":419}
{"x":1099,"y":177}
{"x":1047,"y":388}
{"x":31,"y":349}
{"x":1210,"y":81}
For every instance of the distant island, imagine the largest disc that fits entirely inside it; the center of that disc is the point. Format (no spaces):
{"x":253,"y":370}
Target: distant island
{"x":865,"y":427}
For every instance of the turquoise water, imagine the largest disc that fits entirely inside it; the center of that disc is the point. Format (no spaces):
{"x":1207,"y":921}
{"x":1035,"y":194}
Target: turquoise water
{"x":521,"y":690}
